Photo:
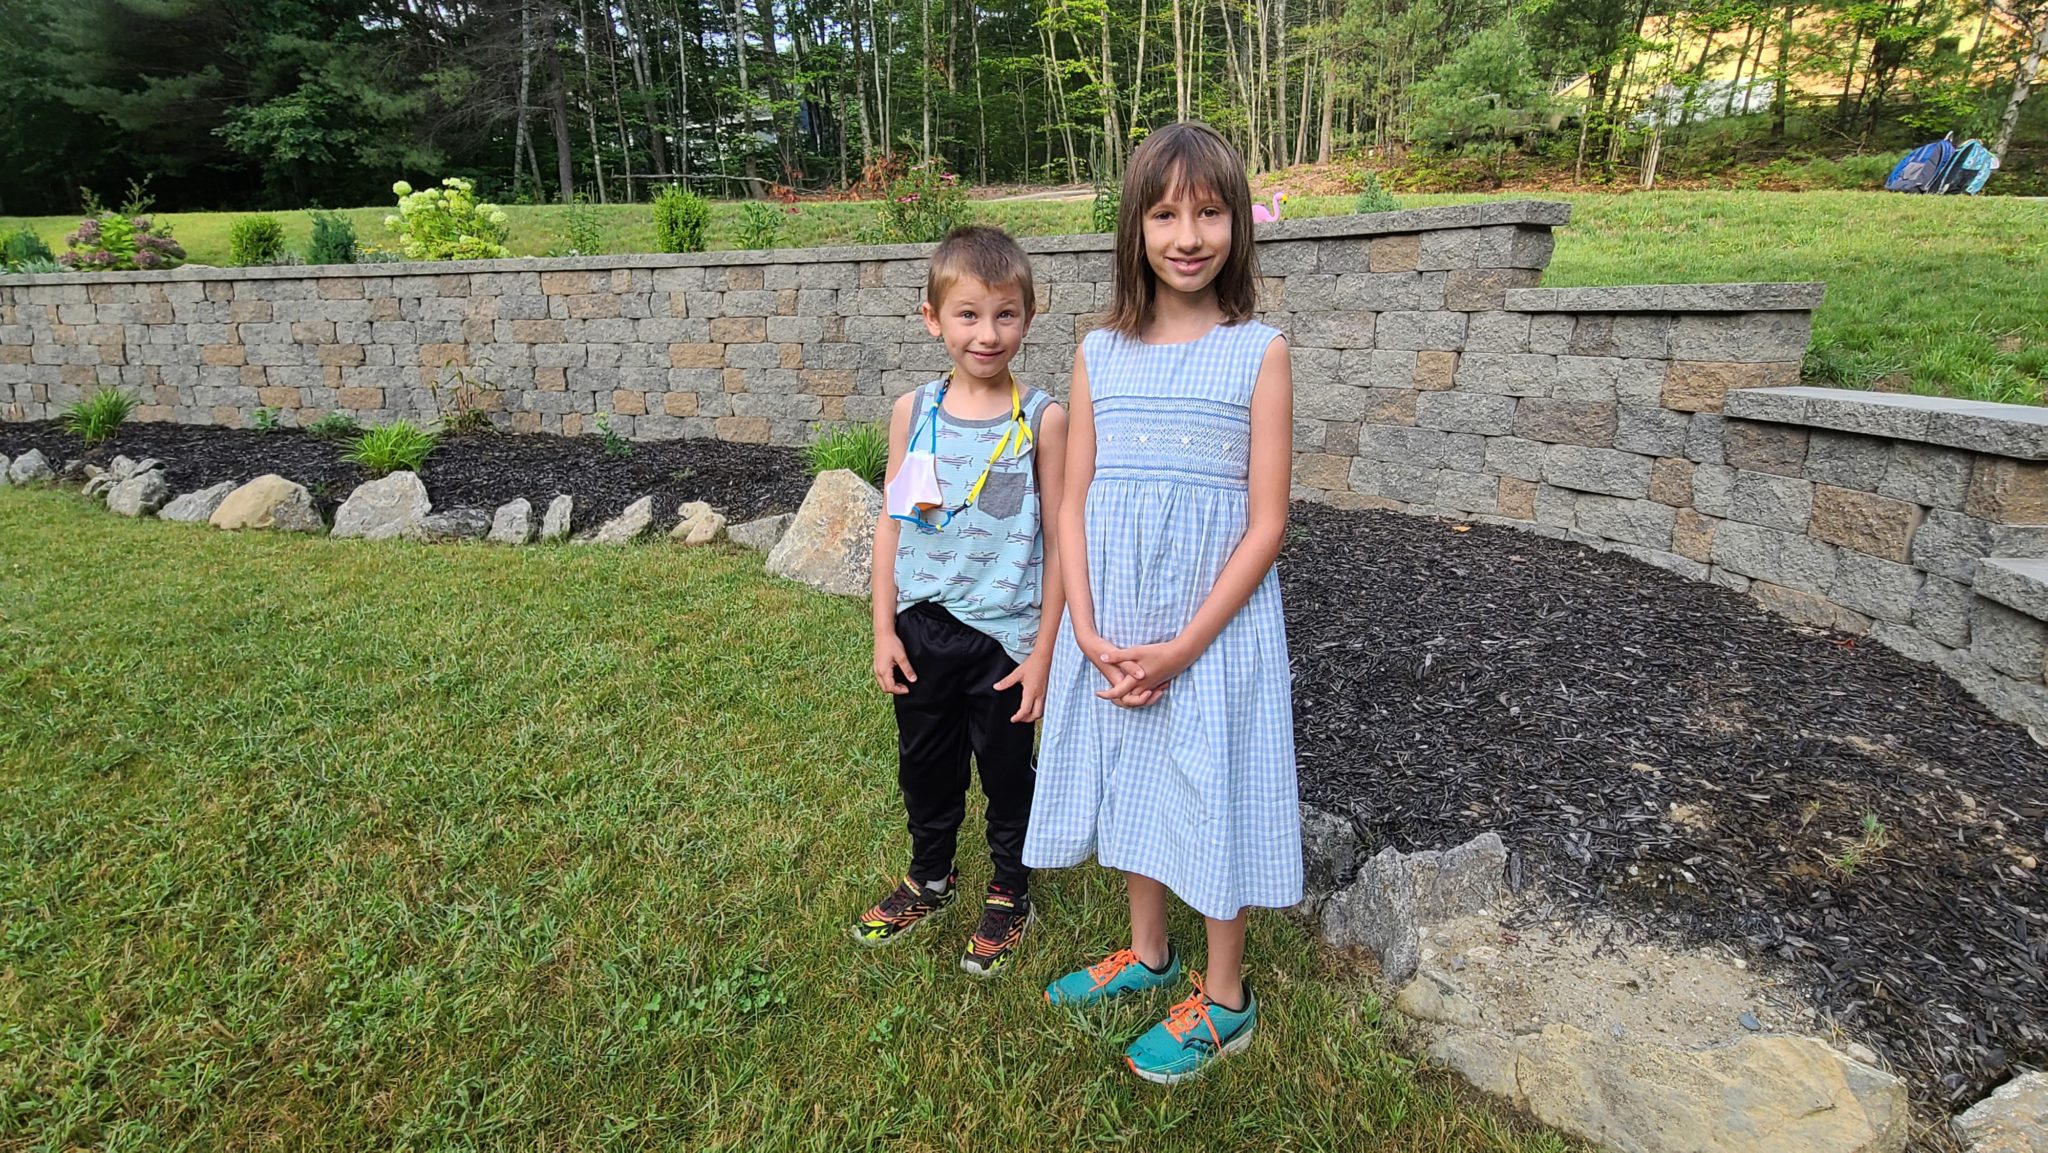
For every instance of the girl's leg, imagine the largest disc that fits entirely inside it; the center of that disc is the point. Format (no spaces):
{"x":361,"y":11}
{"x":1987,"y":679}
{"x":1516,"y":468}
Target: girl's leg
{"x":1225,"y":983}
{"x":1148,"y":919}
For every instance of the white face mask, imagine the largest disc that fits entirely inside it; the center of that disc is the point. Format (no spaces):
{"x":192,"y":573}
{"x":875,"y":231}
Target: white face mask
{"x":915,"y":490}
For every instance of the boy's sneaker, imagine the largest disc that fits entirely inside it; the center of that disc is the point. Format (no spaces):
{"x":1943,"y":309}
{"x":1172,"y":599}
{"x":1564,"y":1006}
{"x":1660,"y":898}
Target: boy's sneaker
{"x":1004,"y":917}
{"x":902,"y":910}
{"x":1196,"y":1033}
{"x":1115,"y":975}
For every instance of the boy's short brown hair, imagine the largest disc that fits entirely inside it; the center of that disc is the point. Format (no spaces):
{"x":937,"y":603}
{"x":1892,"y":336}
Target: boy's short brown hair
{"x":1185,"y":156}
{"x":986,"y":254}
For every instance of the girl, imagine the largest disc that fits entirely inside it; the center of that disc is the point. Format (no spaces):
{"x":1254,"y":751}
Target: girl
{"x":1168,"y":749}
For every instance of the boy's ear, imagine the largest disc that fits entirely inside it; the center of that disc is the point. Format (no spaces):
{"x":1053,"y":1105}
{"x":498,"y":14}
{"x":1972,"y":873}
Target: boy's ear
{"x":931,"y":318}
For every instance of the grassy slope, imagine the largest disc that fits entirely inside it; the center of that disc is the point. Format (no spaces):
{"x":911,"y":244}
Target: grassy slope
{"x":332,"y":845}
{"x":1932,"y":294}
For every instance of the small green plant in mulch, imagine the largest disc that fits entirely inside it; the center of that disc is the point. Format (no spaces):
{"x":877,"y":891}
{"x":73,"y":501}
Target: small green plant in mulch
{"x":760,"y":225}
{"x":335,"y":426}
{"x":1374,"y":197}
{"x":266,"y":420}
{"x":462,"y":407}
{"x":334,"y":240}
{"x":862,"y":449}
{"x":615,"y":446}
{"x":98,"y":416}
{"x":582,"y":230}
{"x":1872,"y":840}
{"x":396,"y":447}
{"x":255,"y":240}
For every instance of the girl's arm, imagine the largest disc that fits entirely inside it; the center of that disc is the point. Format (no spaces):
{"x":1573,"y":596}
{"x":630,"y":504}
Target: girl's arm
{"x":1272,"y":453}
{"x":889,"y":654}
{"x":1049,"y":459}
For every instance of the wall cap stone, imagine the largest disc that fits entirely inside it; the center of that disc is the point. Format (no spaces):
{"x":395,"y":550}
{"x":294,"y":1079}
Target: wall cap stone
{"x":2015,"y":582}
{"x":1542,"y":213}
{"x":2014,"y":430}
{"x":1788,"y":297}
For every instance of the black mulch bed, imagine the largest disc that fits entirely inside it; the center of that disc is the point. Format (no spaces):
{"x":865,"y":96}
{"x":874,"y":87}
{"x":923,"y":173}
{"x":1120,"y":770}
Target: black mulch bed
{"x":482,"y":470}
{"x":1664,"y":749}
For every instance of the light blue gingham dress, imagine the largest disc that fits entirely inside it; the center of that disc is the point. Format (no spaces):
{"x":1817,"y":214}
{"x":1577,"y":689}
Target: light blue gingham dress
{"x":1197,"y":790}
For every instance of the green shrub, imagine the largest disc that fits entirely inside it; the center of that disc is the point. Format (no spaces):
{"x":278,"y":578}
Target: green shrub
{"x":1374,"y":197}
{"x":760,"y":225}
{"x":923,"y":206}
{"x":862,"y":449}
{"x":582,"y":230}
{"x":266,"y":419}
{"x":334,"y":426}
{"x":254,"y":240}
{"x":35,"y":266}
{"x":96,"y":418}
{"x":447,"y":223}
{"x":680,"y":218}
{"x":334,"y":240}
{"x":615,"y":446}
{"x":120,"y":242}
{"x":1108,"y":200}
{"x":396,"y":447}
{"x":20,"y":247}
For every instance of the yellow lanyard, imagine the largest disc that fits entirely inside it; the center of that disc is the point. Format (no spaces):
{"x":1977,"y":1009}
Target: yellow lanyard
{"x":1019,"y":430}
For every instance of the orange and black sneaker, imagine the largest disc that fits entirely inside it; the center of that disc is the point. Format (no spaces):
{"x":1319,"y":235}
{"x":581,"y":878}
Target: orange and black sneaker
{"x":1004,"y":917}
{"x":906,"y":906}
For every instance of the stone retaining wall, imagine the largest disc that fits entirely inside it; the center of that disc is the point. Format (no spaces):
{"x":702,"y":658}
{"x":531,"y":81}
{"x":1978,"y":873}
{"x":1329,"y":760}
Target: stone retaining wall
{"x":1432,"y":376}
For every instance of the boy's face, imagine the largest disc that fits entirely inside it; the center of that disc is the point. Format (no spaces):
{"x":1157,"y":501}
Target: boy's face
{"x":982,"y":326}
{"x":1187,"y":239}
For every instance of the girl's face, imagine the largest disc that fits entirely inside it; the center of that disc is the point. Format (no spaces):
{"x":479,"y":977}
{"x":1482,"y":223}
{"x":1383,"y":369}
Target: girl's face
{"x":1187,"y":239}
{"x":982,"y":326}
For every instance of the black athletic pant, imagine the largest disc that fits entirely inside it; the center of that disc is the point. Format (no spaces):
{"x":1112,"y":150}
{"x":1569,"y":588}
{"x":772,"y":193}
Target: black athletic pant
{"x":953,"y":709}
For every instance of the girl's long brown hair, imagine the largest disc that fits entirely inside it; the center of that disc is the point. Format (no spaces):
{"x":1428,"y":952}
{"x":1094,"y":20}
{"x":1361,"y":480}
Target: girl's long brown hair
{"x":1177,"y":158}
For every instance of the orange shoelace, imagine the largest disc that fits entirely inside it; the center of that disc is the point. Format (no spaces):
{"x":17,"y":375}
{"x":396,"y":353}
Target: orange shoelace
{"x":1105,"y":970}
{"x":1191,"y":1012}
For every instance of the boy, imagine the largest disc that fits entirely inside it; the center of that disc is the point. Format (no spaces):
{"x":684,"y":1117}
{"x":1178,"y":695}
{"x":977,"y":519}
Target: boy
{"x":964,"y":574}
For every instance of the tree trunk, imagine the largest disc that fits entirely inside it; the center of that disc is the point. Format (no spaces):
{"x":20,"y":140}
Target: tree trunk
{"x":2022,"y":85}
{"x":618,"y":102}
{"x":1112,"y":145}
{"x":558,"y":116}
{"x":1180,"y":68}
{"x":1327,"y":146}
{"x":924,"y":72}
{"x":1138,"y":70}
{"x":980,"y":101}
{"x":683,"y":119}
{"x":1781,"y":76}
{"x":860,"y":89}
{"x":522,"y":140}
{"x":641,"y":80}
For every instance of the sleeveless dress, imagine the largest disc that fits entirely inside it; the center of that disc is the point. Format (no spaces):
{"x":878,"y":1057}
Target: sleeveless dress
{"x":1197,"y":790}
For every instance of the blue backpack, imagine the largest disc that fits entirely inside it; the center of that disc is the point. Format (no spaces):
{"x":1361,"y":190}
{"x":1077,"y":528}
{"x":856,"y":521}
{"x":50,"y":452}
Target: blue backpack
{"x":1922,"y":169}
{"x":1966,"y":174}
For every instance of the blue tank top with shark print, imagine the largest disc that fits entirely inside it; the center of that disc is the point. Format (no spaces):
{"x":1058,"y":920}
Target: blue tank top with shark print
{"x":985,"y":565}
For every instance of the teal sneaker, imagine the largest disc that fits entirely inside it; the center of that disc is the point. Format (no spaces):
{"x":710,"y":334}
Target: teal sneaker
{"x":1196,"y":1033}
{"x":1115,"y":975}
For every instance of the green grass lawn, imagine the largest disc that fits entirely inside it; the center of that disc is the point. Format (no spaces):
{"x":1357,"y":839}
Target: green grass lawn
{"x":1936,"y":295}
{"x":315,"y":844}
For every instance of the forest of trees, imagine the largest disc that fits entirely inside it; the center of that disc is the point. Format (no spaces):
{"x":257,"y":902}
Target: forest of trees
{"x":283,"y":103}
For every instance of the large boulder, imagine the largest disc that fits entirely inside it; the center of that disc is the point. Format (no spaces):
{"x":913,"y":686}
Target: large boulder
{"x":512,"y":523}
{"x":830,"y":543}
{"x":268,"y":502}
{"x":2012,"y":1120}
{"x":139,"y":495}
{"x":1756,"y":1094}
{"x":761,"y":534}
{"x":456,"y":524}
{"x":31,"y":467}
{"x":383,"y":509}
{"x":555,"y":522}
{"x":196,"y":507}
{"x":1396,"y":896}
{"x":697,"y":523}
{"x":626,"y":527}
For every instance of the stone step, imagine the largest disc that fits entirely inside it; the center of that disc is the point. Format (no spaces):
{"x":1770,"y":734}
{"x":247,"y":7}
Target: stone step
{"x":2015,"y":582}
{"x":2015,"y":430}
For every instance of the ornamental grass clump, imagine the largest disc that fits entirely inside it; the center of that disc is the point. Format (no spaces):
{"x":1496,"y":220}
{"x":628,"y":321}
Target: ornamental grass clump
{"x":98,"y":416}
{"x":396,"y":447}
{"x":862,"y":449}
{"x":448,"y":223}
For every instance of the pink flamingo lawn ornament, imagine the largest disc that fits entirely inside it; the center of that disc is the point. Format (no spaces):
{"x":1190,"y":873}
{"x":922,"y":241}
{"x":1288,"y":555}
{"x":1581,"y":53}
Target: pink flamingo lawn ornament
{"x":1263,"y":215}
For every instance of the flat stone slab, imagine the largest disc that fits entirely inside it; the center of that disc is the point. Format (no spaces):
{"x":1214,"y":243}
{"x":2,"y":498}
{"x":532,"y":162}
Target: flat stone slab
{"x":760,"y":535}
{"x":2015,"y":582}
{"x":196,"y":507}
{"x":1397,"y":896}
{"x":1762,"y":297}
{"x":2015,"y":430}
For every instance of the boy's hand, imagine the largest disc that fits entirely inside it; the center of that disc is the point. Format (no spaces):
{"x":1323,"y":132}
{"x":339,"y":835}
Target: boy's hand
{"x":1032,"y":674}
{"x":889,"y":657}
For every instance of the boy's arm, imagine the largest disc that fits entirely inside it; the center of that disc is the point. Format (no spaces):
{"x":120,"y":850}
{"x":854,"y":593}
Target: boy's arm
{"x":889,"y":655}
{"x":1272,"y":456}
{"x":1049,"y":460}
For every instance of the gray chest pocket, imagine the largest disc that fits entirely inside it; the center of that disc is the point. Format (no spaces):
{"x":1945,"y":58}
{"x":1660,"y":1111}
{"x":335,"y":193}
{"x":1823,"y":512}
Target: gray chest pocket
{"x":1002,"y":497}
